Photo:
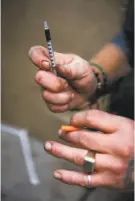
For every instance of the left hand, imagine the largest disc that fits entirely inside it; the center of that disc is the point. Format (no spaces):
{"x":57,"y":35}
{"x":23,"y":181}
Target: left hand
{"x":114,"y":147}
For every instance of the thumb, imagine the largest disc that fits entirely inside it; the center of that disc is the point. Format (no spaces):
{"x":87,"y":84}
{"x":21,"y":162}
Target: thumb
{"x":39,"y":56}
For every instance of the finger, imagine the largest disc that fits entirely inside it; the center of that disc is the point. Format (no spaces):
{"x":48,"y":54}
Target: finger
{"x":71,"y":154}
{"x":57,"y":108}
{"x":40,"y":57}
{"x":72,"y":177}
{"x":50,"y":81}
{"x":58,"y":98}
{"x":75,"y":155}
{"x":74,"y":68}
{"x":101,"y":179}
{"x":89,"y":140}
{"x":93,"y":141}
{"x":96,"y":119}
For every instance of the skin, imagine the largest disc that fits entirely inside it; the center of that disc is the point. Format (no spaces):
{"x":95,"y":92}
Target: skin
{"x":114,"y":144}
{"x":65,"y":93}
{"x":78,"y":82}
{"x":111,"y":157}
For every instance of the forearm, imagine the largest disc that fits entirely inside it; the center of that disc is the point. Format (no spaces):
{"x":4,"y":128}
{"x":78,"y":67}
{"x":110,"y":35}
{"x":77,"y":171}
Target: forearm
{"x":113,"y":61}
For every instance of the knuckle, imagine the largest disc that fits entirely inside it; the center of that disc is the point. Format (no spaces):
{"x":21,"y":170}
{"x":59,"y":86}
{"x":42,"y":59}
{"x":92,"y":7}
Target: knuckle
{"x":120,"y":167}
{"x":68,"y":97}
{"x":73,"y":179}
{"x":84,"y":182}
{"x":87,"y":116}
{"x":127,"y":125}
{"x":76,"y":180}
{"x":77,"y":160}
{"x":83,"y":140}
{"x":55,"y":150}
{"x":94,"y":112}
{"x":91,"y":113}
{"x":127,"y":151}
{"x":59,"y":84}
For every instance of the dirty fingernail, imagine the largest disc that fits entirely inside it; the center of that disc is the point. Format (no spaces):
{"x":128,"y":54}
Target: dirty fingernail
{"x":44,"y":64}
{"x":48,"y":146}
{"x":57,"y":175}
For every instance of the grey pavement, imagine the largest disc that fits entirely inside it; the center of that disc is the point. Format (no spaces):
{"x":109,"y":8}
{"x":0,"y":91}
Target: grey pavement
{"x":16,"y":185}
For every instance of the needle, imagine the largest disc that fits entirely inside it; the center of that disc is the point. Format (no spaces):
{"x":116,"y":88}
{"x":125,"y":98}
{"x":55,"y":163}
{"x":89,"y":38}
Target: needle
{"x":50,"y":48}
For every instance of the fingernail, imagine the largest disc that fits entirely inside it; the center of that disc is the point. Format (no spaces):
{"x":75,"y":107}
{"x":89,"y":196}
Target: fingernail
{"x":60,"y":132}
{"x":57,"y":175}
{"x":44,"y":64}
{"x":48,"y":146}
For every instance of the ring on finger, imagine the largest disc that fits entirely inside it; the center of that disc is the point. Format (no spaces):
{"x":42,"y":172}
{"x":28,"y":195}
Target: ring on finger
{"x":89,"y":181}
{"x":89,"y":162}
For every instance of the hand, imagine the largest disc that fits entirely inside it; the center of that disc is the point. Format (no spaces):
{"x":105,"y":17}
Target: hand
{"x":113,"y":145}
{"x":73,"y":89}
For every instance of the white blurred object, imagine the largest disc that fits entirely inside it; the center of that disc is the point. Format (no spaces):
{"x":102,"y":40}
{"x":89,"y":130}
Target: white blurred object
{"x":26,"y":150}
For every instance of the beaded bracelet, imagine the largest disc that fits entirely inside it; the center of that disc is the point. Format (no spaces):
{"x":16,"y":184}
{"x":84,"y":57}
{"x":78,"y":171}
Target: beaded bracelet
{"x":102,"y":82}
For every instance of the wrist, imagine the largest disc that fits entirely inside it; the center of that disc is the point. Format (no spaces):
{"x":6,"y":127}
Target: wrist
{"x":113,"y":61}
{"x":101,"y":79}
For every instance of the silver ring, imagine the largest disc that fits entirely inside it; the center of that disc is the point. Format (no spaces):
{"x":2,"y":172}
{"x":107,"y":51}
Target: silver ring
{"x":89,"y":162}
{"x":89,"y":180}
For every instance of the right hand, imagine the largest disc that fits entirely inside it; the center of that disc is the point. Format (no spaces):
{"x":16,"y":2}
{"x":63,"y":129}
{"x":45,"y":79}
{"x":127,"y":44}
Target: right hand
{"x":71,"y":91}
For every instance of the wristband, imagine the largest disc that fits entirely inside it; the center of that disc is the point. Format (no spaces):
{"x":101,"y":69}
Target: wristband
{"x":101,"y":77}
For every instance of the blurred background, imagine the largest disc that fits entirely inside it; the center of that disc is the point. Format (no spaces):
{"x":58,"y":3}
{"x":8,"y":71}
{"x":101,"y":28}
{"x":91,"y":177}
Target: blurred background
{"x":78,"y":26}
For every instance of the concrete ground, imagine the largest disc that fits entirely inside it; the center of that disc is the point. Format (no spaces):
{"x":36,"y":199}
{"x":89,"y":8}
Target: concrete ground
{"x":17,"y":186}
{"x":79,"y":26}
